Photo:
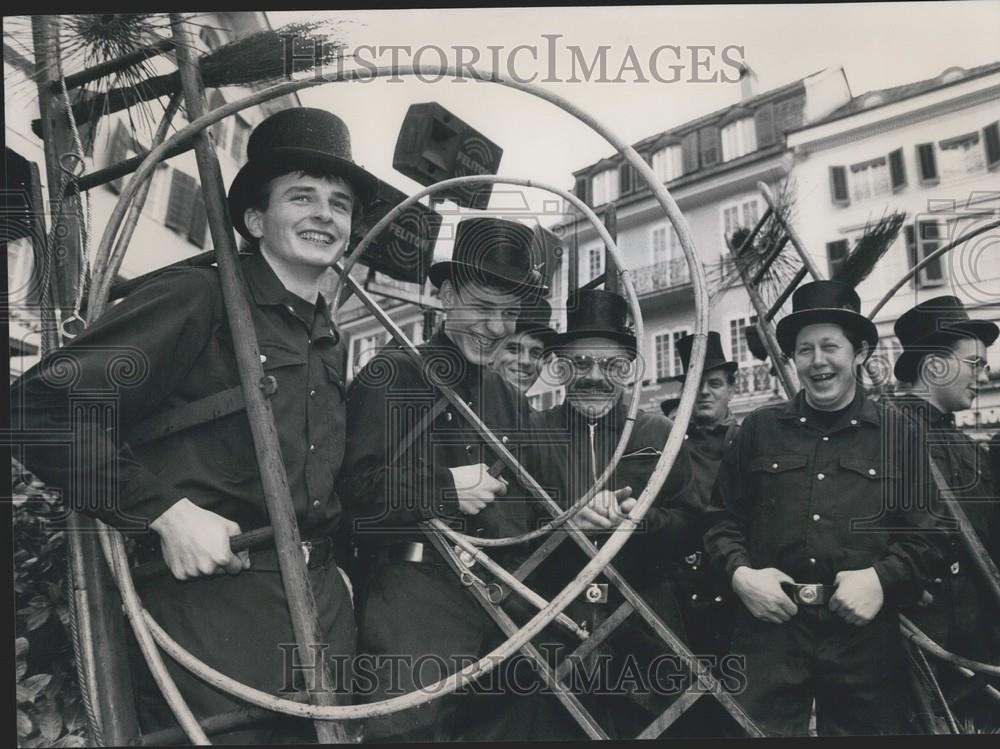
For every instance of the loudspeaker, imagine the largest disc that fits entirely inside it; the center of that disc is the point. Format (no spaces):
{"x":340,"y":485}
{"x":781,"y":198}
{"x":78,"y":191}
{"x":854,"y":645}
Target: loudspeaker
{"x":405,"y":249}
{"x":434,"y":145}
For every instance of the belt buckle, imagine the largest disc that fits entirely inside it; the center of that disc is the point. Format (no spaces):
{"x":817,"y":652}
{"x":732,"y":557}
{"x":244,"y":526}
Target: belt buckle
{"x":307,"y":550}
{"x":808,"y":593}
{"x":596,"y":593}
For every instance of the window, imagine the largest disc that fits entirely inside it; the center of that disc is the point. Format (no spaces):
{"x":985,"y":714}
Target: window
{"x":604,"y":186}
{"x":739,"y":351}
{"x":661,"y":350}
{"x":667,"y":163}
{"x":595,"y":262}
{"x":961,"y":156}
{"x":365,"y":348}
{"x":238,"y":147}
{"x":181,"y":203}
{"x":665,"y":243}
{"x":739,"y":138}
{"x":870,"y":179}
{"x":835,"y":254}
{"x":921,"y":240}
{"x":678,"y":365}
{"x":743,"y":213}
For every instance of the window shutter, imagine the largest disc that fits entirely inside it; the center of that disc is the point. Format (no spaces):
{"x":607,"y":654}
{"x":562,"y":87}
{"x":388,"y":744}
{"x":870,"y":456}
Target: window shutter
{"x":118,"y":152}
{"x":581,"y":189}
{"x":181,"y":203}
{"x":710,"y":145}
{"x":929,"y":239}
{"x":991,"y":137}
{"x":835,"y":254}
{"x":911,"y":244}
{"x":763,"y":120}
{"x":689,"y":152}
{"x":624,"y":179}
{"x":199,"y":220}
{"x":928,"y":164}
{"x":838,"y":185}
{"x":897,"y":170}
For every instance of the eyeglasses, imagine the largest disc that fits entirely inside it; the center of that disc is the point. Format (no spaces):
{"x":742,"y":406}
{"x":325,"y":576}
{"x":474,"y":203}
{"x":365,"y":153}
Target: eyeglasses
{"x":977,"y":365}
{"x":609,"y":365}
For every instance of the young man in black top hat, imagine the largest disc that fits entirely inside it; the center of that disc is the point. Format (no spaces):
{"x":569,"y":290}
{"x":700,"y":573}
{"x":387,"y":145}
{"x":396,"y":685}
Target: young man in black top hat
{"x":412,"y":457}
{"x":185,"y":492}
{"x":597,"y":357}
{"x":821,"y":521}
{"x":942,"y":365}
{"x":519,"y":360}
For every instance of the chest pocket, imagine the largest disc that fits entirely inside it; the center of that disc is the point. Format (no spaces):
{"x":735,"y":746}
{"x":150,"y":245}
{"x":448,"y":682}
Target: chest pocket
{"x":634,"y":470}
{"x":870,"y":487}
{"x":776,"y":477}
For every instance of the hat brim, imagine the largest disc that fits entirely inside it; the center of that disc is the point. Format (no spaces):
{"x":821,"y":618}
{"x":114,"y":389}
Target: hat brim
{"x":905,"y":368}
{"x":544,"y":334}
{"x":285,"y":160}
{"x":669,"y":405}
{"x":562,"y":339}
{"x":729,"y":366}
{"x":442,"y":271}
{"x":790,"y":325}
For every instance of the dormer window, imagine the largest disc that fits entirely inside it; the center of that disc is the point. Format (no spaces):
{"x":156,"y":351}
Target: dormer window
{"x":667,"y":163}
{"x":604,"y":187}
{"x":738,"y":138}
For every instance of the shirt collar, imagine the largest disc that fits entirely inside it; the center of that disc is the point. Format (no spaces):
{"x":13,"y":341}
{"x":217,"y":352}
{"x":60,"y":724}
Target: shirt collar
{"x":935,"y":416}
{"x":861,"y":407}
{"x":266,"y":289}
{"x":722,"y":425}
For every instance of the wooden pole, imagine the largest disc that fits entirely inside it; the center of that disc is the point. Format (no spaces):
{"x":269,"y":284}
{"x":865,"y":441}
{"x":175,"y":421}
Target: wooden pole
{"x":301,"y":602}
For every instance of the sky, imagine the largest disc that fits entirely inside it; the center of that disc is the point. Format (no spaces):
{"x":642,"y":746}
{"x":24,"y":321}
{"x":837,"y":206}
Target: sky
{"x":878,"y":45}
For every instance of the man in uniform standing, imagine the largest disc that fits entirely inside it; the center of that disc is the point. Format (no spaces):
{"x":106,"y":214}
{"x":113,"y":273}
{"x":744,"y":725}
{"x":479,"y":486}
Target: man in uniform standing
{"x":412,"y":457}
{"x":597,"y":355}
{"x":943,"y":362}
{"x":821,"y":521}
{"x":188,"y":490}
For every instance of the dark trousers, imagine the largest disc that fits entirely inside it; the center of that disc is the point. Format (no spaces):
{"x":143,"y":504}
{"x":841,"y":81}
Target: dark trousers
{"x":235,"y":623}
{"x":418,"y":623}
{"x":855,"y":674}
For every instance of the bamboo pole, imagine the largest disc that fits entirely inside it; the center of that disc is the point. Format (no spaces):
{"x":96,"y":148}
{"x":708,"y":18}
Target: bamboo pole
{"x":298,"y":591}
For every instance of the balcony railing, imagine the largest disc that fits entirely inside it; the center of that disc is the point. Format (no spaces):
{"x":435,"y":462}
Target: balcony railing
{"x":659,"y":276}
{"x":755,"y":379}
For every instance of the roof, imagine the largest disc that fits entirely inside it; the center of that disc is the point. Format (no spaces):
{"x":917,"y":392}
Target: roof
{"x":906,"y":91}
{"x":690,"y":125}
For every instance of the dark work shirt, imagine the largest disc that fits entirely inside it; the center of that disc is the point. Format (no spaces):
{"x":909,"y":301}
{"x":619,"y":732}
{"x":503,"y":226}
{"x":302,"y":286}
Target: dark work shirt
{"x":166,"y":345}
{"x":813,"y":502}
{"x":579,"y":449}
{"x":390,"y":485}
{"x":706,"y":446}
{"x":966,"y":467}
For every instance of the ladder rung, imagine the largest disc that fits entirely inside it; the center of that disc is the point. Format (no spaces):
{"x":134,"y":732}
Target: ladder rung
{"x":769,"y":260}
{"x":783,"y":297}
{"x":672,"y":713}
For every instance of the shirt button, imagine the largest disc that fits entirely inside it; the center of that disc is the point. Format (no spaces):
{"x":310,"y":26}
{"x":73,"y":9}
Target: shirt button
{"x":812,"y":560}
{"x":815,"y":518}
{"x":309,"y":341}
{"x":685,"y":436}
{"x":694,"y":596}
{"x":774,"y":465}
{"x":802,"y":419}
{"x":718,"y":599}
{"x":312,"y":448}
{"x":312,"y":393}
{"x":871,"y":471}
{"x":504,"y":439}
{"x":826,"y":439}
{"x":854,"y":422}
{"x":821,"y":476}
{"x":290,"y":309}
{"x":316,"y":504}
{"x":447,"y":416}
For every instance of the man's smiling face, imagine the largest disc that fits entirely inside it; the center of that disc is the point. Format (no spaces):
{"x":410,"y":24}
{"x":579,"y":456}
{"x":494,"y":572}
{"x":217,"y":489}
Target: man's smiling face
{"x":519,"y":360}
{"x":478,"y":318}
{"x":306,"y":221}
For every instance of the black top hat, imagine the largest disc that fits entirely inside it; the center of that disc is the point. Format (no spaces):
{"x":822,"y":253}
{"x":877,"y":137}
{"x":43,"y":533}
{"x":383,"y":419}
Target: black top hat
{"x":669,"y":405}
{"x":534,"y":320}
{"x":931,"y":324}
{"x":300,"y":138}
{"x":492,"y":250}
{"x":596,"y":313}
{"x":714,"y":358}
{"x":824,"y":302}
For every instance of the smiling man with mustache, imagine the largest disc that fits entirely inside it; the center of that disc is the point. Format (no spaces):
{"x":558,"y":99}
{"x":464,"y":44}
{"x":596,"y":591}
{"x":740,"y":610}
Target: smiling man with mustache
{"x":596,"y":359}
{"x":943,"y":364}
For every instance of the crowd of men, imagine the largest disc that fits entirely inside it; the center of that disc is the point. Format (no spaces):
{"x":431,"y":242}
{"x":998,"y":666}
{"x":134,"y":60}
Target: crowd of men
{"x":792,"y":541}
